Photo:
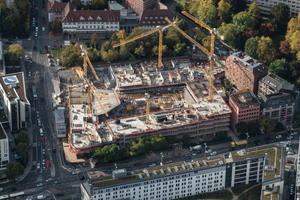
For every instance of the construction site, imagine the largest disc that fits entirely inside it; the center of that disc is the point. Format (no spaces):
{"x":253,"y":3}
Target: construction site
{"x":119,"y":103}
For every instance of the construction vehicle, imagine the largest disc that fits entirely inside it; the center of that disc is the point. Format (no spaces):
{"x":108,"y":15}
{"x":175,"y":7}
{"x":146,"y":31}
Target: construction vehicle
{"x":196,"y":148}
{"x":90,"y":89}
{"x":160,"y":43}
{"x":129,"y":107}
{"x":238,"y":143}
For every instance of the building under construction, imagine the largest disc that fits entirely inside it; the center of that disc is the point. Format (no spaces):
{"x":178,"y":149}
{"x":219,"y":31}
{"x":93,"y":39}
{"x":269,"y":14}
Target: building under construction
{"x":176,"y":104}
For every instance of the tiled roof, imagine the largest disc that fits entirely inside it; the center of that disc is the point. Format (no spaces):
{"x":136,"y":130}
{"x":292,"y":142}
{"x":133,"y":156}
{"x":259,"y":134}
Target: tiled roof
{"x":56,"y":7}
{"x":276,"y":99}
{"x":91,"y":15}
{"x":155,"y":17}
{"x":16,"y":90}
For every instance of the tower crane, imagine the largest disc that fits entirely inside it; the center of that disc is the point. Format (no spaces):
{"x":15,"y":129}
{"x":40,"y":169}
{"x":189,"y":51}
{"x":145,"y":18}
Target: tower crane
{"x":148,"y":100}
{"x":160,"y":43}
{"x":213,"y":33}
{"x":90,"y":88}
{"x":86,"y":60}
{"x":210,"y":55}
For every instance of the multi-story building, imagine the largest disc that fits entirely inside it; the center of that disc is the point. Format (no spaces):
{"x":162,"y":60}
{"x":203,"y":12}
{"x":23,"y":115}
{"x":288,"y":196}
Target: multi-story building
{"x":83,"y":23}
{"x":176,"y":181}
{"x":60,"y":124}
{"x":244,"y":71}
{"x":128,"y":19}
{"x":266,"y":6}
{"x":153,"y":18}
{"x":273,"y":84}
{"x":2,"y":61}
{"x":56,"y":8}
{"x":279,"y":106}
{"x":139,"y":6}
{"x":245,"y":107}
{"x":4,"y":148}
{"x":14,"y":101}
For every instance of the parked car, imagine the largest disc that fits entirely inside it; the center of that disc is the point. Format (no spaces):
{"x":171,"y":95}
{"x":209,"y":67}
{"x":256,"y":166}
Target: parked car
{"x":278,"y":136}
{"x":294,"y":133}
{"x":40,"y":185}
{"x":29,"y":74}
{"x":289,"y":137}
{"x":38,"y":166}
{"x":74,"y":173}
{"x":213,"y":153}
{"x":152,"y":165}
{"x":57,"y":182}
{"x":49,"y":180}
{"x":289,"y":162}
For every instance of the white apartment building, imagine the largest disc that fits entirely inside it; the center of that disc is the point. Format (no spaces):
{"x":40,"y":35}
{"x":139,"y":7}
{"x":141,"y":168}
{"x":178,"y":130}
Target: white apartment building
{"x":14,"y":101}
{"x":172,"y":182}
{"x":4,"y":148}
{"x":82,"y":23}
{"x":266,"y":5}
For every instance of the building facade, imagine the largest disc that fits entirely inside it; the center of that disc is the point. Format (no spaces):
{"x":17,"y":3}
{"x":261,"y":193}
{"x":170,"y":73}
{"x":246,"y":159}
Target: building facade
{"x":244,"y":72}
{"x":266,"y":6}
{"x":60,"y":124}
{"x":191,"y":181}
{"x":14,"y":101}
{"x":139,"y":6}
{"x":2,"y":61}
{"x":245,"y":107}
{"x":280,"y":106}
{"x":83,"y":23}
{"x":4,"y":148}
{"x":56,"y":8}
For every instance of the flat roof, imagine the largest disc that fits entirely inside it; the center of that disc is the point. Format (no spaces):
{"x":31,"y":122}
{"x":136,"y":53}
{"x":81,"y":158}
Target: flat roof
{"x":245,"y":99}
{"x":246,"y":60}
{"x":115,"y":5}
{"x":13,"y":85}
{"x":59,"y":114}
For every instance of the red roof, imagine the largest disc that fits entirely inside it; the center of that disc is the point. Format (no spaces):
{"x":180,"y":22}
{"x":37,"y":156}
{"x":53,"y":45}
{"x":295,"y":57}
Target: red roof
{"x":91,"y":15}
{"x":56,"y":7}
{"x":155,"y":17}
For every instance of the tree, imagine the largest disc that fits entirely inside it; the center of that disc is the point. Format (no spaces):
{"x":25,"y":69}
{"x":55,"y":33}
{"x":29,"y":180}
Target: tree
{"x":285,"y":48}
{"x":241,"y":129}
{"x":223,"y":10}
{"x":237,"y":5}
{"x":251,"y":47}
{"x":70,"y":56}
{"x":229,"y":32}
{"x":227,"y":84}
{"x":293,"y":35}
{"x":56,"y":26}
{"x":279,"y":16}
{"x":182,"y":24}
{"x":121,"y":35}
{"x":278,"y":66}
{"x":266,"y":124}
{"x":108,"y":153}
{"x":14,"y":170}
{"x":267,"y":29}
{"x":99,"y":4}
{"x":155,"y":50}
{"x":22,"y":149}
{"x":266,"y":51}
{"x":14,"y":53}
{"x":242,"y":21}
{"x":186,"y":140}
{"x":198,"y":34}
{"x":18,"y":168}
{"x":95,"y":40}
{"x":180,"y":49}
{"x":93,"y":54}
{"x":23,"y":137}
{"x":140,"y":51}
{"x":77,"y":3}
{"x":249,"y":33}
{"x":172,"y":38}
{"x":296,"y":123}
{"x":208,"y":14}
{"x":206,"y":42}
{"x":110,"y":55}
{"x":254,"y":12}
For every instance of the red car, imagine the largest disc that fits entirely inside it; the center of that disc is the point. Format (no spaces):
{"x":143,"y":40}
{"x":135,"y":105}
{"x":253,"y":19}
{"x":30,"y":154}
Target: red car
{"x":43,"y":140}
{"x":289,"y":162}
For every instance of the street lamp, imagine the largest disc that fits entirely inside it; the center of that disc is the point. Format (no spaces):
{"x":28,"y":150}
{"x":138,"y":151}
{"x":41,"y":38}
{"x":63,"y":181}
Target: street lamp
{"x":205,"y":149}
{"x":161,"y":158}
{"x":247,"y":141}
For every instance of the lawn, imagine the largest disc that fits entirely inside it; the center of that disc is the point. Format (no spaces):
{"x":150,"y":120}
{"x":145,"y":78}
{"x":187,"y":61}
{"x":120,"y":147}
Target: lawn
{"x":223,"y":194}
{"x":237,"y":190}
{"x":56,"y":54}
{"x":252,"y":194}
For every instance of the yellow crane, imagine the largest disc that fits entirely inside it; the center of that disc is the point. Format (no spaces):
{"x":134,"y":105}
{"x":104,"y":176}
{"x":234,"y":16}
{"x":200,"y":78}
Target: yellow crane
{"x":86,"y":60}
{"x":160,"y":43}
{"x":148,"y":100}
{"x":90,"y":88}
{"x":210,"y":55}
{"x":213,"y":33}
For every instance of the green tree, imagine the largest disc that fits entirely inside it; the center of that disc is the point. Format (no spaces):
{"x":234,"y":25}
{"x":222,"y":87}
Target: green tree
{"x":22,"y":149}
{"x":77,"y":3}
{"x":229,"y":32}
{"x":251,"y":47}
{"x":241,"y":129}
{"x":242,"y":21}
{"x":155,"y":50}
{"x":70,"y":56}
{"x":180,"y":49}
{"x":223,"y":10}
{"x":110,"y":55}
{"x":172,"y":38}
{"x":266,"y":51}
{"x":23,"y":137}
{"x":279,"y":16}
{"x":254,"y":12}
{"x":237,"y":5}
{"x":14,"y":170}
{"x":186,"y":140}
{"x":208,"y":14}
{"x":14,"y":53}
{"x":140,"y":51}
{"x":296,"y":123}
{"x":266,"y":124}
{"x":198,"y":34}
{"x":99,"y":4}
{"x":56,"y":26}
{"x":227,"y":84}
{"x":18,"y":168}
{"x":95,"y":40}
{"x":108,"y":153}
{"x":293,"y":35}
{"x":278,"y":66}
{"x":182,"y":24}
{"x":121,"y":35}
{"x":157,"y":142}
{"x":93,"y":54}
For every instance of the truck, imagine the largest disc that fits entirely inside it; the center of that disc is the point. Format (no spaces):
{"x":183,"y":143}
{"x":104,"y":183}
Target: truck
{"x":34,"y":92}
{"x":238,"y":143}
{"x":196,"y":148}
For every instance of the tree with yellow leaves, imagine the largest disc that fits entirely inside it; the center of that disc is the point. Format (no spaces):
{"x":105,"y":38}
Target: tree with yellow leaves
{"x":293,"y":35}
{"x":266,"y":51}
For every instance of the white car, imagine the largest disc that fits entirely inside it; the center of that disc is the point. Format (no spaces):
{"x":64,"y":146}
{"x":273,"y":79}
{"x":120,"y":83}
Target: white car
{"x":74,"y":173}
{"x":289,"y":137}
{"x":27,"y":57}
{"x":49,"y":180}
{"x":208,"y":151}
{"x":213,"y":153}
{"x":278,"y":136}
{"x":294,"y":133}
{"x":38,"y":166}
{"x":1,"y":189}
{"x":40,"y":185}
{"x":152,"y":165}
{"x":290,"y":153}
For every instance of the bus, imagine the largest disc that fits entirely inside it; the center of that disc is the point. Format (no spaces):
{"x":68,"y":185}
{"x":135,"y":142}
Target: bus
{"x":34,"y":92}
{"x":4,"y":197}
{"x":17,"y":195}
{"x":238,"y":144}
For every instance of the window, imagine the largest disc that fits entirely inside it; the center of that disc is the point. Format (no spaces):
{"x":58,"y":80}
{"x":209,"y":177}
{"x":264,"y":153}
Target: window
{"x":82,"y":18}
